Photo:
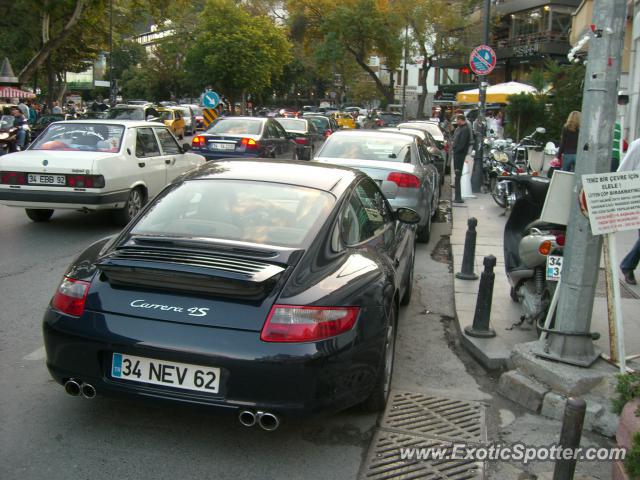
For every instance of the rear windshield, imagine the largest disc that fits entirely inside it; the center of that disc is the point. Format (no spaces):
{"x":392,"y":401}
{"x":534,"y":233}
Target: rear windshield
{"x":432,"y":128}
{"x":247,"y":211}
{"x":321,"y":123}
{"x":123,"y":113}
{"x":360,"y":147}
{"x":88,"y":137}
{"x":165,"y":115}
{"x":292,"y":124}
{"x":236,"y":126}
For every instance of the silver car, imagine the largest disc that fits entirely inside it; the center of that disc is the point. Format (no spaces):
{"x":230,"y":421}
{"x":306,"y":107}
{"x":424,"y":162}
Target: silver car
{"x":398,"y":162}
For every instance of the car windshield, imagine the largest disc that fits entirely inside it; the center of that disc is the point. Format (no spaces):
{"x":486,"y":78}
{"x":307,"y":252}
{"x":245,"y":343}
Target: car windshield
{"x":6,"y":121}
{"x":360,"y":147}
{"x":89,"y":137}
{"x":293,"y":125}
{"x":124,"y":113}
{"x":246,"y":211}
{"x":236,"y":126}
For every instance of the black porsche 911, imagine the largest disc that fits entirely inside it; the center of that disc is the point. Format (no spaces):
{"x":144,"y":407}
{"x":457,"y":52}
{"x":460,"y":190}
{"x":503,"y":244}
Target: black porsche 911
{"x":266,"y":288}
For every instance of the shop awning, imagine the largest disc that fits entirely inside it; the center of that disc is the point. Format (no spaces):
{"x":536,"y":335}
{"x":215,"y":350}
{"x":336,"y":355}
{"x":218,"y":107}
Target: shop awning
{"x":495,"y":93}
{"x":12,"y":92}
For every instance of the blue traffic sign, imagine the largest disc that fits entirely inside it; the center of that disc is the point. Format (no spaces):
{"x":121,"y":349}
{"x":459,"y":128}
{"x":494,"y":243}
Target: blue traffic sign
{"x":210,"y":99}
{"x":482,"y":60}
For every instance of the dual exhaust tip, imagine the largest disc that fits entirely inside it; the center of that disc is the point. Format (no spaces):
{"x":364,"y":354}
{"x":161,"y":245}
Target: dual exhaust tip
{"x":76,"y":388}
{"x":266,"y":420}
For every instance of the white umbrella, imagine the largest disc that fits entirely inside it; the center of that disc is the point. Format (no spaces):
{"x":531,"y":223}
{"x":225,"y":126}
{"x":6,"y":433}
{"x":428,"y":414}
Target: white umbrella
{"x":496,"y":93}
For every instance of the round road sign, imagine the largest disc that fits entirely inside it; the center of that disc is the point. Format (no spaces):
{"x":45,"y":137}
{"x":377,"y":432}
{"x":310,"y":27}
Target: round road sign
{"x":482,"y":60}
{"x":210,"y":99}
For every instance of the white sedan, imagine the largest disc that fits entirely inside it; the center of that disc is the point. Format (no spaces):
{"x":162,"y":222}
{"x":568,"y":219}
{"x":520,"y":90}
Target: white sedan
{"x":93,"y":165}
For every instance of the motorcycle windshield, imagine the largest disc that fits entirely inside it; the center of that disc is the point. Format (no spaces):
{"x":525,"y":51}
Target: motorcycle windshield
{"x":6,"y":121}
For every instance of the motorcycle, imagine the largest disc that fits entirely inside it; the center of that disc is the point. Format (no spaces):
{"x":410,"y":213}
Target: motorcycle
{"x":7,"y":134}
{"x":533,"y":249}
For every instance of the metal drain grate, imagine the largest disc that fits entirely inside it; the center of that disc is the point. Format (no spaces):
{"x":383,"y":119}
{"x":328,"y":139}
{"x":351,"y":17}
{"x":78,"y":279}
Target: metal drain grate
{"x":384,"y":460}
{"x":437,"y":417}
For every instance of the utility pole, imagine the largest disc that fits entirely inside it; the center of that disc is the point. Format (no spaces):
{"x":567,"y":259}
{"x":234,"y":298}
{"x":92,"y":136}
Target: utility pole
{"x":571,"y":341}
{"x":404,"y":74}
{"x":112,"y":93}
{"x":476,"y":176}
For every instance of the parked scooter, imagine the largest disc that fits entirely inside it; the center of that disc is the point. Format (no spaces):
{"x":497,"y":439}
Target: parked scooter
{"x":532,"y":248}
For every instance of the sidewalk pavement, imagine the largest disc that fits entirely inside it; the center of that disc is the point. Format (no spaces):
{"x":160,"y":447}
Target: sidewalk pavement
{"x":495,"y":352}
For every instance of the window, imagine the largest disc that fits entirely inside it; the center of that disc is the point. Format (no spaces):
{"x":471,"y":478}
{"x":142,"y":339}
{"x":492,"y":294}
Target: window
{"x":280,"y":131}
{"x":146,"y":144}
{"x":90,"y":137}
{"x":425,"y":157}
{"x":365,"y":215}
{"x":167,"y":141}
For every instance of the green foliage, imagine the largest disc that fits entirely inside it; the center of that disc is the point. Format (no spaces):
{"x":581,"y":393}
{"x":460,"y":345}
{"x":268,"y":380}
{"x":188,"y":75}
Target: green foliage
{"x":628,"y":388}
{"x":632,"y":460}
{"x":565,"y":96}
{"x":524,"y":113}
{"x":234,"y":52}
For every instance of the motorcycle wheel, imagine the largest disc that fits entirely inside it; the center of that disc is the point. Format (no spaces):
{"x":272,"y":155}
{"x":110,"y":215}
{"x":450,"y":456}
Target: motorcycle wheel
{"x":499,"y":199}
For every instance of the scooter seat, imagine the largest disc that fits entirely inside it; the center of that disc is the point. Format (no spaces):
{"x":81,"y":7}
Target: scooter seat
{"x":542,"y":225}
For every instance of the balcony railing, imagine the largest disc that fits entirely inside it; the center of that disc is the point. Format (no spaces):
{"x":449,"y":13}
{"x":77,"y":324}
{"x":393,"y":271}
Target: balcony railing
{"x":533,"y":38}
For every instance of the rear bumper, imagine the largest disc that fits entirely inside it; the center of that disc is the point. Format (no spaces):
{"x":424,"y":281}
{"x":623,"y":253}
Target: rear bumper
{"x":62,"y":200}
{"x":288,"y":379}
{"x":209,"y":155}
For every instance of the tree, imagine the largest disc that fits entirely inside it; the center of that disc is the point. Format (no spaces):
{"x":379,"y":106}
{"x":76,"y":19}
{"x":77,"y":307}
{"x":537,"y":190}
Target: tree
{"x":234,"y":52}
{"x":358,"y":28}
{"x":565,"y":94}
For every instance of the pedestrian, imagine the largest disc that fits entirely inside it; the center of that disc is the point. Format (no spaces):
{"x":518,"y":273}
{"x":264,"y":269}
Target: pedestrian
{"x":631,"y":161}
{"x":461,"y":144}
{"x":23,"y":108}
{"x":56,"y":108}
{"x":33,"y":115}
{"x":569,"y":141}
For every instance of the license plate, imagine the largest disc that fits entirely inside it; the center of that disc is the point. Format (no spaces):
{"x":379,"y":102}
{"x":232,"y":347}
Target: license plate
{"x":554,"y":267}
{"x":168,"y":374}
{"x":37,"y":179}
{"x":222,"y":146}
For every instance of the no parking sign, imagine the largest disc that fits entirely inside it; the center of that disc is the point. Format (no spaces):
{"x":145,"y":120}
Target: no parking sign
{"x":482,"y":60}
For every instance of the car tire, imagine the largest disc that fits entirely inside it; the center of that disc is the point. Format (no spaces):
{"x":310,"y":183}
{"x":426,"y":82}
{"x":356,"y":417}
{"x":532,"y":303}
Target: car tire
{"x":424,"y":233}
{"x":377,"y":400}
{"x":406,"y":298}
{"x":134,"y":204}
{"x":39,"y":215}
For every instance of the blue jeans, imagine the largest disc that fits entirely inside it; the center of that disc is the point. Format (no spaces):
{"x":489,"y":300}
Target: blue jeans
{"x":21,"y":136}
{"x":630,"y":262}
{"x":568,"y":162}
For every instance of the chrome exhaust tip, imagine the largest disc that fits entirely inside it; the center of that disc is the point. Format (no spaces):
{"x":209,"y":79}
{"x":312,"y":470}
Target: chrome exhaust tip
{"x":268,"y":421}
{"x":88,"y":391}
{"x":72,"y":387}
{"x":247,"y":418}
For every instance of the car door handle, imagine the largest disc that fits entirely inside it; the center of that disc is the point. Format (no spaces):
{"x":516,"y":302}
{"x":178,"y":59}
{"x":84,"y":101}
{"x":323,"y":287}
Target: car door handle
{"x":170,"y":161}
{"x":141,"y":164}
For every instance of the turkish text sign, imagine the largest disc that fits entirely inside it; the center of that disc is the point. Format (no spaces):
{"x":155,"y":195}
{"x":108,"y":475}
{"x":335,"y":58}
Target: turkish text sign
{"x":613,"y":200}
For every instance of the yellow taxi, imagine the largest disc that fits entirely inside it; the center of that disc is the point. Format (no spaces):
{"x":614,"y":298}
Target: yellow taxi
{"x":173,"y":119}
{"x":345,"y":120}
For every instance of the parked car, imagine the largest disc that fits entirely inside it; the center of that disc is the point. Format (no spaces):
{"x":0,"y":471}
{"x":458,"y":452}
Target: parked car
{"x":397,"y":162}
{"x":92,"y":165}
{"x":189,"y":118}
{"x":229,"y":137}
{"x":304,"y":134}
{"x":43,"y":122}
{"x":265,"y":289}
{"x":440,"y":137}
{"x":437,"y":155}
{"x":134,"y":112}
{"x":173,"y":120}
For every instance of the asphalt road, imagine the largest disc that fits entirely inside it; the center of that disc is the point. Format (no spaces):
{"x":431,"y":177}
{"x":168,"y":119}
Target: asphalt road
{"x":47,"y":434}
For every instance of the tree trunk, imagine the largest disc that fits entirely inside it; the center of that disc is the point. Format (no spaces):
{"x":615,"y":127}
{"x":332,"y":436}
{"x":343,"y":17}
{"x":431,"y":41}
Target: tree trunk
{"x":51,"y":81}
{"x":388,"y":95}
{"x":62,"y":87}
{"x":49,"y":45}
{"x":423,"y":96}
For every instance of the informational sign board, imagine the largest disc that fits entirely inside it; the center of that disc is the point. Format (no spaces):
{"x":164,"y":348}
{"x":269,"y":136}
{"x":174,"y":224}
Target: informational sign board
{"x":208,"y":115}
{"x":482,"y":60}
{"x":210,"y":99}
{"x":613,"y":201}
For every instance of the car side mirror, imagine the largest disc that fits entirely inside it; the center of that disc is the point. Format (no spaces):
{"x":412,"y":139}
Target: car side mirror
{"x":389,"y":189}
{"x":407,"y":215}
{"x":186,"y":147}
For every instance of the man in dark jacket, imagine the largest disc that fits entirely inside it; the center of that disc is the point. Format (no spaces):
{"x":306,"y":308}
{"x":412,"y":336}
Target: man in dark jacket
{"x":461,"y":142}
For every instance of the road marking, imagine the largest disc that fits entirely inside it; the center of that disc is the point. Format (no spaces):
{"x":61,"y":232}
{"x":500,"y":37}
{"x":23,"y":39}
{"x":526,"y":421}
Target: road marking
{"x":35,"y":355}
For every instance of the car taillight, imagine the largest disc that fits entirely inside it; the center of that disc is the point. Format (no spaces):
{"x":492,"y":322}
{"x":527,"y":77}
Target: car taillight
{"x":290,"y":323}
{"x":505,"y":174}
{"x":327,"y":133}
{"x":519,"y":169}
{"x":404,"y":180}
{"x":71,"y":296}
{"x":249,"y":143}
{"x":560,"y":239}
{"x":198,"y":141}
{"x":13,"y":178}
{"x":545,"y":247}
{"x":85,"y":181}
{"x":301,"y":140}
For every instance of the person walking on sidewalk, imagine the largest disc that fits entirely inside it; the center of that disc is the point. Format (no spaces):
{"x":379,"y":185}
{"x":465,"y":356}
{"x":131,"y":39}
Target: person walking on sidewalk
{"x":461,"y":143}
{"x":569,"y":141}
{"x":629,"y":263}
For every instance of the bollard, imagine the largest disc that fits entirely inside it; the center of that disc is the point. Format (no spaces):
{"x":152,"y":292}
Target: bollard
{"x":469,"y":254}
{"x":480,"y":327}
{"x":570,"y":437}
{"x":458,"y":197}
